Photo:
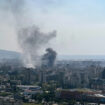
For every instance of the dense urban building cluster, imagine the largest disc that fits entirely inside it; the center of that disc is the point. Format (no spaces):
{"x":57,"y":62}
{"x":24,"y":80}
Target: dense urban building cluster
{"x":64,"y":80}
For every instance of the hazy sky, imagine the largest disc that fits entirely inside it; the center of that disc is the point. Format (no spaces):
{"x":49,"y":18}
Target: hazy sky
{"x":80,"y":25}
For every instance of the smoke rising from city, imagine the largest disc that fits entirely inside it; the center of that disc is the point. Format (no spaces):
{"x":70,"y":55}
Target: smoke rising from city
{"x":31,"y":39}
{"x":49,"y":57}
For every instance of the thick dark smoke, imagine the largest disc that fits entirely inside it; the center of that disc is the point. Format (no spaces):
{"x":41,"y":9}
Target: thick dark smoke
{"x":32,"y":40}
{"x":49,"y":58}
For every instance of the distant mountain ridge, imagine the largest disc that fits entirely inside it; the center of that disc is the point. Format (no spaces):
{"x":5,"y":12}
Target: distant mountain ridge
{"x":5,"y":54}
{"x":9,"y":55}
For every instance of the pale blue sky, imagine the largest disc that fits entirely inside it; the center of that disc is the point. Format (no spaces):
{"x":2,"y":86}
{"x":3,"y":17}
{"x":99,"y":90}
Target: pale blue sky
{"x":80,"y":25}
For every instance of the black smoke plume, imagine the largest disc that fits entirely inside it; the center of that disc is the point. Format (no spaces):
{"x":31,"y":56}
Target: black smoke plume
{"x":49,"y":58}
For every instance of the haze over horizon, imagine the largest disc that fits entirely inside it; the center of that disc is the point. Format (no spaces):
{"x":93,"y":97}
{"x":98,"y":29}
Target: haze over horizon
{"x":80,"y":25}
